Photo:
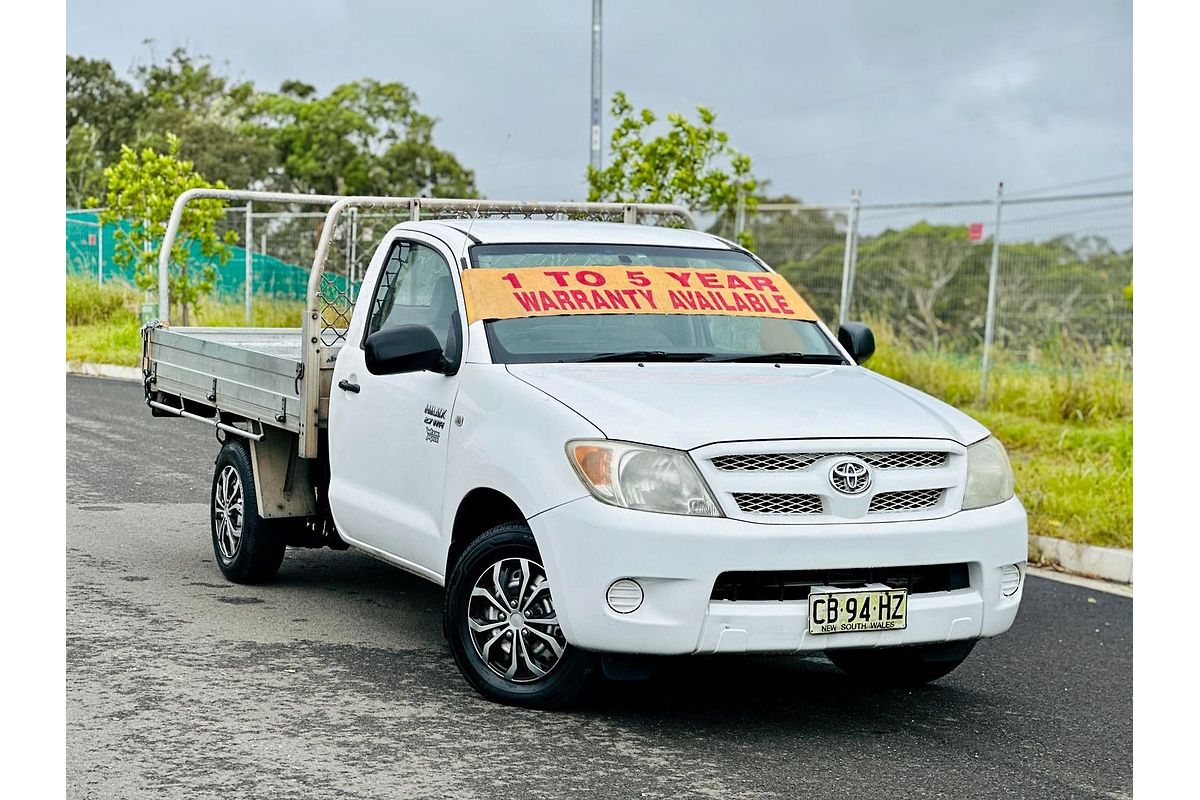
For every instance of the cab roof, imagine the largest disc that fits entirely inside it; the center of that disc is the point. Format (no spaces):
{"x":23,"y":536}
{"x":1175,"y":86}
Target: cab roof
{"x":522,"y":231}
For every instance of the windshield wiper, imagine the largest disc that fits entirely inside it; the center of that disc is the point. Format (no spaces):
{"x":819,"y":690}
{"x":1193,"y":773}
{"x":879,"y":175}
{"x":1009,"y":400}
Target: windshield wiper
{"x":646,"y":355}
{"x":789,"y":358}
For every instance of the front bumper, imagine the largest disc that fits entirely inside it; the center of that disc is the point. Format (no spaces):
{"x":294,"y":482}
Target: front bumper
{"x":586,"y":545}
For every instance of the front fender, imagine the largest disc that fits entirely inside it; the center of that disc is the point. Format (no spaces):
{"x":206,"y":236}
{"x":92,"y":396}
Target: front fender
{"x":511,"y":439}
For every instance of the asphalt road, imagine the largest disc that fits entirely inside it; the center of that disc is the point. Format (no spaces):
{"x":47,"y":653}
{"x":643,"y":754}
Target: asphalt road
{"x":335,"y":682}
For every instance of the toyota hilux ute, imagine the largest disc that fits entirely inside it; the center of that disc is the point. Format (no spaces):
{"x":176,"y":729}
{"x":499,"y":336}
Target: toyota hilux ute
{"x":607,"y":441}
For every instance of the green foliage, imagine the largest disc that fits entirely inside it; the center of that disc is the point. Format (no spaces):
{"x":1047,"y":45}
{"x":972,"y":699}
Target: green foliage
{"x":142,"y":188}
{"x":692,"y":164}
{"x":102,"y":110}
{"x":364,"y":137}
{"x":211,"y":115}
{"x":103,"y":327}
{"x":268,"y":313}
{"x":114,"y":341}
{"x":1073,"y":384}
{"x":1069,"y":435}
{"x":930,"y":285}
{"x":89,"y":302}
{"x":1075,"y":480}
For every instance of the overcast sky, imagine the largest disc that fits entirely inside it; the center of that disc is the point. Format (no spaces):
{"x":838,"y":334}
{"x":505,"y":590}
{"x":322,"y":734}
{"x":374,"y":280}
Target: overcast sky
{"x":909,"y":101}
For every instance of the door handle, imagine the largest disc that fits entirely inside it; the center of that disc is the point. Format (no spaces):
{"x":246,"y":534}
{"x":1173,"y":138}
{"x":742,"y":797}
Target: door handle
{"x":348,"y":386}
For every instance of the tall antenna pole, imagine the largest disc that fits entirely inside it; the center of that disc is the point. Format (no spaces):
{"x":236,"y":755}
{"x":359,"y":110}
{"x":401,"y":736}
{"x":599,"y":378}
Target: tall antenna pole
{"x":596,"y":91}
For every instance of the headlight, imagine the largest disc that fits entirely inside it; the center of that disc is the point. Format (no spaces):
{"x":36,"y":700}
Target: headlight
{"x":641,"y":477}
{"x":989,"y":475}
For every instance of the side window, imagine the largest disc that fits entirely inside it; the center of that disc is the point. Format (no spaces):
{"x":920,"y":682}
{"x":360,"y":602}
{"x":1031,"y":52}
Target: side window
{"x":416,"y":288}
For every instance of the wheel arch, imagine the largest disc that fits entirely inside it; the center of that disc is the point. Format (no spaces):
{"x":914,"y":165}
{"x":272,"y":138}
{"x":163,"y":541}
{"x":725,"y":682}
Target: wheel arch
{"x":480,"y":509}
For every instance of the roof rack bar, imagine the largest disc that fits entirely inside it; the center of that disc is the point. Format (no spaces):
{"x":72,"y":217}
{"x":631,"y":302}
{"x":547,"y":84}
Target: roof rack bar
{"x":314,"y":324}
{"x":630,"y":213}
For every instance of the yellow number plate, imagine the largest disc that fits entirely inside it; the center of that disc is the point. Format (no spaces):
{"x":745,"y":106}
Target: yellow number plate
{"x":846,"y":612}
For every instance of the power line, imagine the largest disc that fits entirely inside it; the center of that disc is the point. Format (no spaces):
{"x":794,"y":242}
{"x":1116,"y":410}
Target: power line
{"x":1089,"y":182}
{"x":959,"y":72}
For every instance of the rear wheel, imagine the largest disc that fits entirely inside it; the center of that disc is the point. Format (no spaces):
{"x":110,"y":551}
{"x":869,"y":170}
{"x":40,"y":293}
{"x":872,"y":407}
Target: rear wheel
{"x":249,"y":549}
{"x":502,"y":626}
{"x":911,"y":665}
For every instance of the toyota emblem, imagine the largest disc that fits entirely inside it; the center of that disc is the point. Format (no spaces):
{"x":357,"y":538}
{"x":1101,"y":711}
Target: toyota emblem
{"x":850,"y":477}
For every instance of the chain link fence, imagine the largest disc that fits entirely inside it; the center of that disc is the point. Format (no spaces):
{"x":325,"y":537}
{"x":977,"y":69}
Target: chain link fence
{"x":1058,"y":271}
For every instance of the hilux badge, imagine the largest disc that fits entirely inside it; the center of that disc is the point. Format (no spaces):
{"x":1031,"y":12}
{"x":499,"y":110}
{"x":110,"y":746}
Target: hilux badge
{"x":850,"y":477}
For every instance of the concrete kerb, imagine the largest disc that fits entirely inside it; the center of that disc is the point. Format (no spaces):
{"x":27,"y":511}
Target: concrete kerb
{"x":1108,"y":563}
{"x":105,"y":371}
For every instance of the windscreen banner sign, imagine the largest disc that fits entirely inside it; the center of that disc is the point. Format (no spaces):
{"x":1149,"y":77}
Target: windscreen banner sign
{"x":550,"y":291}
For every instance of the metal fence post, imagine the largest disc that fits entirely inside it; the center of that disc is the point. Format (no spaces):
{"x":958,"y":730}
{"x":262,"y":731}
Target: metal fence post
{"x":353,"y":257}
{"x":99,"y":251}
{"x":739,"y":216}
{"x":989,"y":328}
{"x":850,"y":256}
{"x":249,"y":242}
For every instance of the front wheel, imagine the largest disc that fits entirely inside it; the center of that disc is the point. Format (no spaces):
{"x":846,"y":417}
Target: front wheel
{"x":502,"y":627}
{"x":249,"y":549}
{"x":910,"y":665}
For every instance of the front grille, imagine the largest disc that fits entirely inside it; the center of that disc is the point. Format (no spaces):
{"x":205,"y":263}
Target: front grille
{"x":770,"y":503}
{"x":796,"y":584}
{"x":908,"y":500}
{"x":794,"y":462}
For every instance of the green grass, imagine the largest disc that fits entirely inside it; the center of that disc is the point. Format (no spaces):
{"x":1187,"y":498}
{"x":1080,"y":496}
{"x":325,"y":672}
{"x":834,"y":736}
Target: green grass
{"x":1076,"y":480}
{"x":89,"y":303}
{"x":102,"y":322}
{"x":1069,"y":431}
{"x":1068,"y":428}
{"x":1070,"y":383}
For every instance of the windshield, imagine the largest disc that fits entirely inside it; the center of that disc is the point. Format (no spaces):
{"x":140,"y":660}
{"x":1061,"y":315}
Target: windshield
{"x":642,"y":336}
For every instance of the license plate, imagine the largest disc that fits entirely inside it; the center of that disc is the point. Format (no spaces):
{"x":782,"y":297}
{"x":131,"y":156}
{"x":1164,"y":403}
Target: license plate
{"x":863,"y":610}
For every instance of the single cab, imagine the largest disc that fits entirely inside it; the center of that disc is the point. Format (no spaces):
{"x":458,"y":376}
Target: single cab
{"x":607,"y":441}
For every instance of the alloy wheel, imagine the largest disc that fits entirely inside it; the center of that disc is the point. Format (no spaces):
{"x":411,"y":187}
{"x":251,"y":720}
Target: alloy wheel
{"x":228,"y":505}
{"x":512,"y":621}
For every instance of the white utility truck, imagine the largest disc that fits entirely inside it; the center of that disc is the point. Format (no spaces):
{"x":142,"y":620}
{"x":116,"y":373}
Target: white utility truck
{"x":606,"y":440}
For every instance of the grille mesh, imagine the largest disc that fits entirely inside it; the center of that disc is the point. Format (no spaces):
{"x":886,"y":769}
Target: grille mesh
{"x":794,"y":462}
{"x":908,"y":500}
{"x":768,"y":503}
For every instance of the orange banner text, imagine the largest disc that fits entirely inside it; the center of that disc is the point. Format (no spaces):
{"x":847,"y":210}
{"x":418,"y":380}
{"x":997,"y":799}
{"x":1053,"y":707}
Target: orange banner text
{"x":546,"y":291}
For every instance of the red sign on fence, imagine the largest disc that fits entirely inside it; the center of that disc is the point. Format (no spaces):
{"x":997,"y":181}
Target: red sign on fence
{"x":975,"y":232}
{"x":91,"y":238}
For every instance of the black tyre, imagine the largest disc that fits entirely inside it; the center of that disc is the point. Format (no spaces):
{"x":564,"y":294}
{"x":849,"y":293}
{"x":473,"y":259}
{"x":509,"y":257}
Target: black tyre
{"x":249,"y":549}
{"x":503,"y":632}
{"x":912,"y":665}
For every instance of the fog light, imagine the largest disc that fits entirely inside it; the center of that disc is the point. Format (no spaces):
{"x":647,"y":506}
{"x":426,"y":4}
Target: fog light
{"x":625,"y":596}
{"x":1010,"y":579}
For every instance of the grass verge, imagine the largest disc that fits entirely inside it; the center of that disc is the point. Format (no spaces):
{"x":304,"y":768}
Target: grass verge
{"x":103,"y":327}
{"x":1067,"y":425}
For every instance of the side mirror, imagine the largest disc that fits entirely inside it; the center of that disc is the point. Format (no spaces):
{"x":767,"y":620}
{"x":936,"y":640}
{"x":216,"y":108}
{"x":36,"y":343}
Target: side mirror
{"x":405,"y":348}
{"x":858,"y":340}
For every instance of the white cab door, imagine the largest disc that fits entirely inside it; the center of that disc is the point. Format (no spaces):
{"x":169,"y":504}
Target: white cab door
{"x":388,"y":434}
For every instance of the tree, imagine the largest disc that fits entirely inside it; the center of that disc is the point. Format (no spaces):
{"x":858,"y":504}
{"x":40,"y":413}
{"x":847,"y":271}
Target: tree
{"x":142,"y":187}
{"x":212,"y":116}
{"x":102,"y":114}
{"x":691,"y":164}
{"x":364,"y":137}
{"x":85,"y":165}
{"x":928,"y":280}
